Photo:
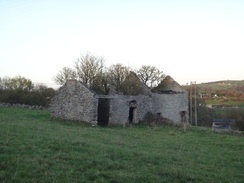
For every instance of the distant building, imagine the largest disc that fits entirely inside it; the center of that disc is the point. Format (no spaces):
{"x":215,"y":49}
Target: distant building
{"x":204,"y":95}
{"x":222,"y":124}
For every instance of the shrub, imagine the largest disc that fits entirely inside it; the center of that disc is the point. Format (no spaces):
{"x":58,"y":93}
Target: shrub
{"x":153,"y":119}
{"x":237,"y":115}
{"x":205,"y":116}
{"x":26,"y":97}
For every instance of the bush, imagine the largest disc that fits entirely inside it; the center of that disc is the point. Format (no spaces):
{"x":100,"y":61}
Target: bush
{"x":237,"y":115}
{"x":19,"y":90}
{"x":205,"y":116}
{"x":26,"y":97}
{"x":153,"y":119}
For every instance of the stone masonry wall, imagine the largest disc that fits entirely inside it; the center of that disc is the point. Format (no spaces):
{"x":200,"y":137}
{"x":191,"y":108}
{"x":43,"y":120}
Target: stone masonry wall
{"x":170,"y":105}
{"x":167,"y":105}
{"x":75,"y":102}
{"x":24,"y":106}
{"x":120,"y":105}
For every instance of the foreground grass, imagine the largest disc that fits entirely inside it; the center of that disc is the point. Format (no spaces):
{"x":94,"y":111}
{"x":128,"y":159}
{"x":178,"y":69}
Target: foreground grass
{"x":34,"y":148}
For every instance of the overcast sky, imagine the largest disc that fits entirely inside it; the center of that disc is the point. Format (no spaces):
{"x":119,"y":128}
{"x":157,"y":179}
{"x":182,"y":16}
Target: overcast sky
{"x":191,"y":40}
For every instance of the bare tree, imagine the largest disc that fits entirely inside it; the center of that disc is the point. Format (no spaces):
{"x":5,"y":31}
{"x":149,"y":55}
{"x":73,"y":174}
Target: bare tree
{"x":100,"y":84}
{"x":40,"y":87}
{"x":65,"y":74}
{"x":150,"y":75}
{"x":3,"y":82}
{"x":117,"y":74}
{"x":88,"y":67}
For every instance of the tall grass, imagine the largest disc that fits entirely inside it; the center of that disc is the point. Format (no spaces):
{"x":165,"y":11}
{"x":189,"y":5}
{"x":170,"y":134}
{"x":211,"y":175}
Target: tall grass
{"x":34,"y":148}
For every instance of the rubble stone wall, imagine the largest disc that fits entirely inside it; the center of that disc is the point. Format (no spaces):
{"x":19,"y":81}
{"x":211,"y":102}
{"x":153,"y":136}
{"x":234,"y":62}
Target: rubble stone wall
{"x":75,"y":101}
{"x":120,"y":106}
{"x":167,"y":106}
{"x":170,"y":106}
{"x":24,"y":106}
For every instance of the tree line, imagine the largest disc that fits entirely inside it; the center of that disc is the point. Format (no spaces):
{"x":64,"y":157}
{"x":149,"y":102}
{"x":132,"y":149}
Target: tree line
{"x":91,"y":70}
{"x":20,"y":90}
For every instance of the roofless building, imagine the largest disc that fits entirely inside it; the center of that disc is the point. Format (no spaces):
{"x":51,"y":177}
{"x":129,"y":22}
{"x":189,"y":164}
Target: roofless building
{"x":76,"y":101}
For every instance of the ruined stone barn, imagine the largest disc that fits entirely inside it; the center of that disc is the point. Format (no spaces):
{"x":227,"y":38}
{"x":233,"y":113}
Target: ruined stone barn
{"x":76,"y":101}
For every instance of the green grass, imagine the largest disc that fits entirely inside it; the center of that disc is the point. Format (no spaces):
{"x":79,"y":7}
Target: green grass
{"x":34,"y":148}
{"x":229,"y":102}
{"x":218,"y":86}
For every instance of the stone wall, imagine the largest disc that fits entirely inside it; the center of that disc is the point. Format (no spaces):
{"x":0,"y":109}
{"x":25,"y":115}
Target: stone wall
{"x":75,"y":101}
{"x":170,"y":106}
{"x":24,"y":106}
{"x":120,"y":108}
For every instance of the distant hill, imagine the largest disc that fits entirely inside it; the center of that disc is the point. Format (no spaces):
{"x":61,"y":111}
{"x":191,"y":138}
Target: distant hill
{"x":222,"y":92}
{"x":222,"y":86}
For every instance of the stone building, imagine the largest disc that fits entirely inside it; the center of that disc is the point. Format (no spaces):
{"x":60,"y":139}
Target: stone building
{"x":76,"y":101}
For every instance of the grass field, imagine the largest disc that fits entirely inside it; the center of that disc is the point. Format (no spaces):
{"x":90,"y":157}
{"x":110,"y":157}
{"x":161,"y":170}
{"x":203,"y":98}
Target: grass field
{"x":34,"y":148}
{"x":240,"y":104}
{"x":221,"y":85}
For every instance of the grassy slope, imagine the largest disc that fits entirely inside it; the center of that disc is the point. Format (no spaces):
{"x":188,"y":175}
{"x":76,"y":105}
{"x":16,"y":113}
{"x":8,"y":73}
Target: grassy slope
{"x":35,"y":149}
{"x":217,"y":86}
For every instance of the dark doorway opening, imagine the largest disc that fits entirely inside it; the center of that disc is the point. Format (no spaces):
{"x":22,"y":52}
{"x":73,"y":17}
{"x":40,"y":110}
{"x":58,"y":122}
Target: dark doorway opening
{"x":131,"y":114}
{"x":132,"y":111}
{"x":183,"y":116}
{"x":103,"y":111}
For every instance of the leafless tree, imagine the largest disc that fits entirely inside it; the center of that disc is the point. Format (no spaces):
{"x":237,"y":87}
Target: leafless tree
{"x":150,"y":75}
{"x":3,"y":82}
{"x":88,"y":67}
{"x":117,"y":74}
{"x":100,"y":84}
{"x":65,"y":74}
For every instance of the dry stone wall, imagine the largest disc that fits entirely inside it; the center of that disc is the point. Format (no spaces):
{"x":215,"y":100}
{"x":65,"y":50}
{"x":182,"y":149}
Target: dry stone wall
{"x":120,"y":109}
{"x":24,"y":106}
{"x":170,"y":106}
{"x":166,"y":105}
{"x":75,"y":101}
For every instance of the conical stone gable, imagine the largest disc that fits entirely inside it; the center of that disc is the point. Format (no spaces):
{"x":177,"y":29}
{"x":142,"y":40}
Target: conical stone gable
{"x":133,"y":85}
{"x":169,"y":85}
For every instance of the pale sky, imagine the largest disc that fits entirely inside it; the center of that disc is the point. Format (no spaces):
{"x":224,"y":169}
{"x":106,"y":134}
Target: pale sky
{"x":191,"y":40}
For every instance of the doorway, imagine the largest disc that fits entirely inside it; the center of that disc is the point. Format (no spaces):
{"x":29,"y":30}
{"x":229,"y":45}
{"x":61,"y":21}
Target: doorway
{"x":103,"y":111}
{"x":183,"y":116}
{"x":132,"y":111}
